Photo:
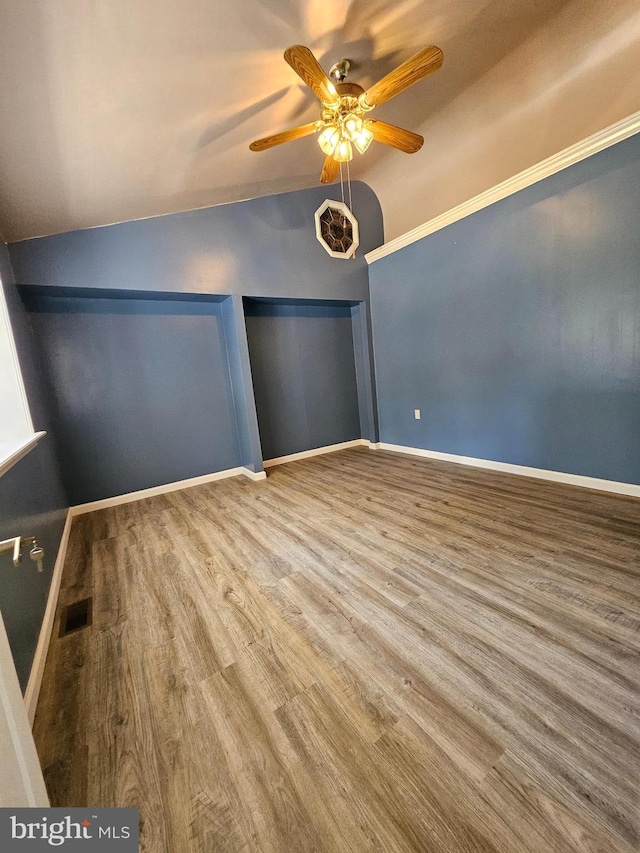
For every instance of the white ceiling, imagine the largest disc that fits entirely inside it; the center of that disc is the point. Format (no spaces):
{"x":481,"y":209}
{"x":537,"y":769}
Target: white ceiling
{"x":121,"y":109}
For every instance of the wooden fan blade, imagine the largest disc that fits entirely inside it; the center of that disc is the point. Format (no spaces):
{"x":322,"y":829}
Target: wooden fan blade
{"x":307,"y":67}
{"x":403,"y":140}
{"x":330,"y":170}
{"x":424,"y":62}
{"x":285,"y":136}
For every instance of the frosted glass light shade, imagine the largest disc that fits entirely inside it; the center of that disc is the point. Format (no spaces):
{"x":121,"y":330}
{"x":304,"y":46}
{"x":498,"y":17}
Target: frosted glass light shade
{"x":352,"y":126}
{"x":344,"y":151}
{"x":363,"y":139}
{"x":329,"y":139}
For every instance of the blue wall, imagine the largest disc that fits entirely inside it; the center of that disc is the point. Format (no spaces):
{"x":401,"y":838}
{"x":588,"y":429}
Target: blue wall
{"x":304,"y":375}
{"x":516,"y":331}
{"x":141,"y":390}
{"x":32,"y":503}
{"x":166,"y":392}
{"x":261,"y":247}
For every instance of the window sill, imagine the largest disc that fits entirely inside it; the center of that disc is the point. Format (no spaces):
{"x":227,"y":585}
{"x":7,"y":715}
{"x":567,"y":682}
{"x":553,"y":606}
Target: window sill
{"x":12,"y":451}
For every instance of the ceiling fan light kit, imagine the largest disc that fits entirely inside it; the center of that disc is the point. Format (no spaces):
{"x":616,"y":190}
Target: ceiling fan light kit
{"x":344,"y":120}
{"x":344,"y":124}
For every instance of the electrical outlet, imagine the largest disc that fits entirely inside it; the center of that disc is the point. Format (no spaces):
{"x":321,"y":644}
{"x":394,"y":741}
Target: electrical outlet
{"x":416,"y":414}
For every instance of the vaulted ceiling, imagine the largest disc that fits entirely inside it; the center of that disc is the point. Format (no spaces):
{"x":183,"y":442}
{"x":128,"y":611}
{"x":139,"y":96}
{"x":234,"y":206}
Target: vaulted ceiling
{"x":120,"y":109}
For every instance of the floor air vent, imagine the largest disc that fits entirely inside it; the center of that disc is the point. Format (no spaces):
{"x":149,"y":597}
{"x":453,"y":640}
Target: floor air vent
{"x":76,"y":616}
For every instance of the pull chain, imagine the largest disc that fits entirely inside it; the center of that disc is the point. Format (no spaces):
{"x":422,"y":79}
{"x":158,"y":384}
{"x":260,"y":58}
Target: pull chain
{"x":344,"y":218}
{"x":350,"y":205}
{"x":350,"y":200}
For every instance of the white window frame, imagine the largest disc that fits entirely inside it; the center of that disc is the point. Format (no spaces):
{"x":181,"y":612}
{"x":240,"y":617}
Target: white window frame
{"x":18,"y":440}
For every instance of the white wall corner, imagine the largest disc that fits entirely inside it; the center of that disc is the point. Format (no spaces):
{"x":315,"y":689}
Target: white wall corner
{"x":254,"y":475}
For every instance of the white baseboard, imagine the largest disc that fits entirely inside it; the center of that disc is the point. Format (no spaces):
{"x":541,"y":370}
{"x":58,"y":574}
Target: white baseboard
{"x":37,"y":667}
{"x":522,"y":470}
{"x":317,"y":451}
{"x":92,"y":506}
{"x":256,"y":476}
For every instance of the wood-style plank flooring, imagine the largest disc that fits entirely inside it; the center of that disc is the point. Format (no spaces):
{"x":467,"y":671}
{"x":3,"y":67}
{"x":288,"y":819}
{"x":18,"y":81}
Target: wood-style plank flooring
{"x":367,"y":651}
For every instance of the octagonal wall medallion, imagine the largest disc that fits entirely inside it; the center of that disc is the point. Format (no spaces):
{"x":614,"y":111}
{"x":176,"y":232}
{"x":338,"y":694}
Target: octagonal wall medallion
{"x":337,"y":229}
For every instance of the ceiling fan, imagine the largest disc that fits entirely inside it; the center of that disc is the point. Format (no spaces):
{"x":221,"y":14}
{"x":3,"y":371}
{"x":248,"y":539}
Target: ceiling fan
{"x":344,"y":121}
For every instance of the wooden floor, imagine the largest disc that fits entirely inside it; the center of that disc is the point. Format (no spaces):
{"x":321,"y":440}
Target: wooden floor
{"x":365,"y":652}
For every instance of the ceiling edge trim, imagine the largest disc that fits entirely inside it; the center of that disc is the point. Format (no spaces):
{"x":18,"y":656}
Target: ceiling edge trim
{"x":568,"y":157}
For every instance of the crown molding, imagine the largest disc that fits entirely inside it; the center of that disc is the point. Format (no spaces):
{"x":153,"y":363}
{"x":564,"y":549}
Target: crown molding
{"x":568,"y":157}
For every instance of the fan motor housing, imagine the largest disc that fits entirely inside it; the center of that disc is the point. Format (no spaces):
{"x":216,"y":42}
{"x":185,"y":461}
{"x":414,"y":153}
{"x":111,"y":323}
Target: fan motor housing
{"x":351,"y":89}
{"x":337,"y":229}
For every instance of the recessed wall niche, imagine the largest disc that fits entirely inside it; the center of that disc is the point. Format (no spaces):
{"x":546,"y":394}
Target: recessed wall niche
{"x":304,"y":373}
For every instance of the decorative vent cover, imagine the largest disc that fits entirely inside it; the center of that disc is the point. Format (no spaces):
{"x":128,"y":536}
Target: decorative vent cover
{"x":337,"y":229}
